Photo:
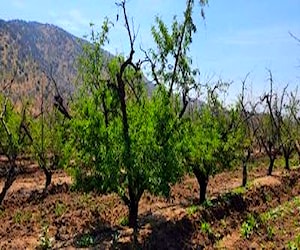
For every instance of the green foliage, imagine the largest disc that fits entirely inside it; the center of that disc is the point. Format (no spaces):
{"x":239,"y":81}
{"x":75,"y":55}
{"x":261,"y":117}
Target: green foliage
{"x":249,"y":226}
{"x":239,"y":190}
{"x":21,"y":217}
{"x":2,"y":213}
{"x":48,"y":133}
{"x":45,"y":242}
{"x":124,"y":221}
{"x":270,"y":232}
{"x":13,"y":141}
{"x":170,"y":63}
{"x":121,"y":139}
{"x":192,"y":210}
{"x":85,"y":240}
{"x":213,"y":138}
{"x":207,"y":203}
{"x":206,"y":228}
{"x":98,"y":148}
{"x":59,"y":209}
{"x":295,"y":244}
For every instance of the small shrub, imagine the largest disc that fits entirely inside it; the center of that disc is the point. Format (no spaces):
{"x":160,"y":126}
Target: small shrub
{"x":192,"y":210}
{"x":21,"y":217}
{"x":249,"y":226}
{"x":292,"y":245}
{"x":297,"y":201}
{"x":206,"y":228}
{"x":86,"y":240}
{"x":17,"y":217}
{"x":239,"y":190}
{"x":45,"y":242}
{"x":60,"y":209}
{"x":270,"y":232}
{"x":295,"y":244}
{"x":268,"y":197}
{"x":223,"y":223}
{"x":207,"y":203}
{"x":124,"y":221}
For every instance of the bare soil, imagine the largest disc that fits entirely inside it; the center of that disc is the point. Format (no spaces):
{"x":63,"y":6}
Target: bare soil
{"x":73,"y":220}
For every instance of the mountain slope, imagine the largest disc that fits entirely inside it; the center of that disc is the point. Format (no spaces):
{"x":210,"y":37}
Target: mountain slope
{"x":31,"y":52}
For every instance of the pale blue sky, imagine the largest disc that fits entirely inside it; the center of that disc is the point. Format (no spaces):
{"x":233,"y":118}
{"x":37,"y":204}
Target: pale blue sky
{"x":237,"y":36}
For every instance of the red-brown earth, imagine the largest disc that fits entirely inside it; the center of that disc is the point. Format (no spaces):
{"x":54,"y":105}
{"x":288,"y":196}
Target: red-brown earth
{"x":69,"y":220}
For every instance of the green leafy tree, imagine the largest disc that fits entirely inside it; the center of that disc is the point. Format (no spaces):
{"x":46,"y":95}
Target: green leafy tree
{"x":13,"y":139}
{"x":123,"y":140}
{"x":212,"y":140}
{"x":47,"y":132}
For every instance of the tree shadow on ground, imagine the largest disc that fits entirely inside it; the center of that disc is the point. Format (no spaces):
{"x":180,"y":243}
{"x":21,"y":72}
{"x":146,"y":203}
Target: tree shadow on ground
{"x":158,"y":232}
{"x":163,"y":234}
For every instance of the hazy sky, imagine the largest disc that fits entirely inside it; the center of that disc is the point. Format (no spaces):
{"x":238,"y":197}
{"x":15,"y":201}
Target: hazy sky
{"x":237,"y":37}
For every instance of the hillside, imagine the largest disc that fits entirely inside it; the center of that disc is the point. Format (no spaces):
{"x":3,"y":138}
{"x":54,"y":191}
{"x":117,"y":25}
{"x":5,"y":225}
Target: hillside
{"x":31,"y":51}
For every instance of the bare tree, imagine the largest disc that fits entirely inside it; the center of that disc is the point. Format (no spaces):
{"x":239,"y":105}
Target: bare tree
{"x":250,"y":128}
{"x":269,"y":133}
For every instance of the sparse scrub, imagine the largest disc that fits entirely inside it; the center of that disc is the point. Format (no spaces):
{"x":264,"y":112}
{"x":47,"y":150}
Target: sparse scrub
{"x":86,"y":240}
{"x":60,"y":208}
{"x":249,"y":226}
{"x":294,"y":244}
{"x":22,"y":217}
{"x":45,"y":242}
{"x":192,"y":210}
{"x":206,"y":228}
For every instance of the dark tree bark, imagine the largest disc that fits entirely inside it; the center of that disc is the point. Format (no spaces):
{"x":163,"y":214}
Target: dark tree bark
{"x":47,"y":172}
{"x":245,"y":170}
{"x":287,"y":152}
{"x":132,"y":202}
{"x":287,"y":162}
{"x":245,"y":174}
{"x":48,"y":175}
{"x":133,"y":213}
{"x":271,"y":165}
{"x":11,"y":176}
{"x":203,"y":182}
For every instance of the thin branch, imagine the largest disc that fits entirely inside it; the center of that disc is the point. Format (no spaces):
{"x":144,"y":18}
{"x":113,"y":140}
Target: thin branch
{"x":152,"y":64}
{"x":177,"y":56}
{"x":293,"y":36}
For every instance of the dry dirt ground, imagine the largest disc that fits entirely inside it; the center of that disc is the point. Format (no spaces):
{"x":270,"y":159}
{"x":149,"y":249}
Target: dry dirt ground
{"x":266,"y":214}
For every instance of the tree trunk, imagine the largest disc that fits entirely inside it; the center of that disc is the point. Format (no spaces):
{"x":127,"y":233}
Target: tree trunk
{"x":11,"y":176}
{"x":287,"y":162}
{"x":297,"y":147}
{"x":271,"y":165}
{"x":48,"y":175}
{"x":286,"y":154}
{"x":245,"y":174}
{"x":245,"y":170}
{"x":133,"y":214}
{"x":203,"y":187}
{"x":202,"y":181}
{"x":47,"y":172}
